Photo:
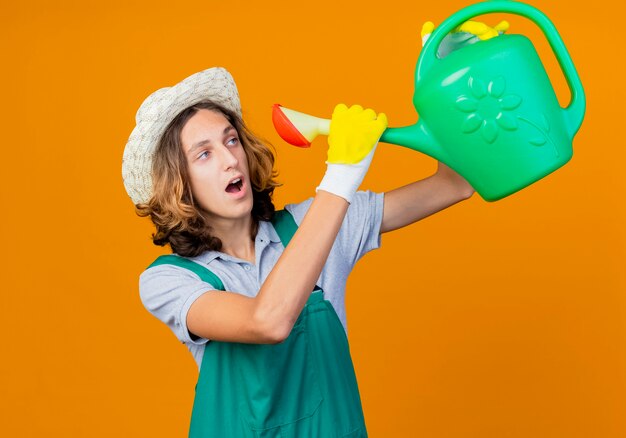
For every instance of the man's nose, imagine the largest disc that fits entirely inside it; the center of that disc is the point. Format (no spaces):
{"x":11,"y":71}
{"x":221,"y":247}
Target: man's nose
{"x":228,"y":158}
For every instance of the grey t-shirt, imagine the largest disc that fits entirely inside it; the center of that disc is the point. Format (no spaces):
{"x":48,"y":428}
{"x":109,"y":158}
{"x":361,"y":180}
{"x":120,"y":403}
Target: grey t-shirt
{"x":168,"y":291}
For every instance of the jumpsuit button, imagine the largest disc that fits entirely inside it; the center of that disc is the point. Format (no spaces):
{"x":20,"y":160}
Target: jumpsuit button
{"x":246,"y":267}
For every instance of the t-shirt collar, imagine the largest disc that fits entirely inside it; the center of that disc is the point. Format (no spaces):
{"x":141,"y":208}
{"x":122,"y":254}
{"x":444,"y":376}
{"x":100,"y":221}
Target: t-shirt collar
{"x":266,"y":232}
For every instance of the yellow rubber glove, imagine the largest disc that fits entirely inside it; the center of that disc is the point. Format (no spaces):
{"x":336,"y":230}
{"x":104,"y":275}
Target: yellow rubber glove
{"x":353,"y":133}
{"x":481,"y":30}
{"x":469,"y":32}
{"x":353,"y":137}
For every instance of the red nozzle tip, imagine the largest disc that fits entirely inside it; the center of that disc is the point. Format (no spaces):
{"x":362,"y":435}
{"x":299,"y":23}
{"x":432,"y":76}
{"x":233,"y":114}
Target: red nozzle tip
{"x":286,"y":129}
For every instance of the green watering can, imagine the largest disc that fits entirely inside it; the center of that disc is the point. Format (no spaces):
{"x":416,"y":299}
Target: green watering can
{"x":488,"y":109}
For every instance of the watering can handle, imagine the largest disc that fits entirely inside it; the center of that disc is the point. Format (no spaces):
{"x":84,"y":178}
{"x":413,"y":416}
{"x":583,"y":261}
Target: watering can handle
{"x":575,"y":111}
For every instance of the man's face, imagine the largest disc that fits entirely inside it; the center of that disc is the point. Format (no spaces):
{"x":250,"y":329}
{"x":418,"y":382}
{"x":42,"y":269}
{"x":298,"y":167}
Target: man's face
{"x":218,"y":168}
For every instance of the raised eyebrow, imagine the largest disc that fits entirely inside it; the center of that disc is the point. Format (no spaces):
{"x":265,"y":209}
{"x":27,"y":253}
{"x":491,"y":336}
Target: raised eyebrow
{"x":205,"y":142}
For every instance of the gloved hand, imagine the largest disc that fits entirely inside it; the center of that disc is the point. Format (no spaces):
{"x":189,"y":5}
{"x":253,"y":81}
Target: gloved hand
{"x":469,"y":32}
{"x":353,"y":137}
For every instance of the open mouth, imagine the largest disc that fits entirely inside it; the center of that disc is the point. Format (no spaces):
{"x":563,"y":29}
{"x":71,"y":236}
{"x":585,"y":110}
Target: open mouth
{"x":235,"y":186}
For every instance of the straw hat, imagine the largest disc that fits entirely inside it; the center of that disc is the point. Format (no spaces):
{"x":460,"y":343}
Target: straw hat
{"x":156,"y":113}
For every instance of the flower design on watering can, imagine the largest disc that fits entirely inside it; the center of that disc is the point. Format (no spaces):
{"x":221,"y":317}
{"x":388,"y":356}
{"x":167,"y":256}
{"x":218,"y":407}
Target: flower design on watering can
{"x":488,"y":108}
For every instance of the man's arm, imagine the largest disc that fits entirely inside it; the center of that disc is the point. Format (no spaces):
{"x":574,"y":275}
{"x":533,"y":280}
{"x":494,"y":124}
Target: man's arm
{"x":415,"y":201}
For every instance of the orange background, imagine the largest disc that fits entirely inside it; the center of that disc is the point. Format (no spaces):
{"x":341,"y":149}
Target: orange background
{"x":502,"y":319}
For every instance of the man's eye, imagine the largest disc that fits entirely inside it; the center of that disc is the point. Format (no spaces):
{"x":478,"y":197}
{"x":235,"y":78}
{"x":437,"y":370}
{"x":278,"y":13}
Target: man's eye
{"x":203,"y":154}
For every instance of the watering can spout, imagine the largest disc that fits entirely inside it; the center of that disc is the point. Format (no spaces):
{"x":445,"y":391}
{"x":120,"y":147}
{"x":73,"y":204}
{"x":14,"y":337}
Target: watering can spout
{"x":300,"y":129}
{"x":414,"y":137}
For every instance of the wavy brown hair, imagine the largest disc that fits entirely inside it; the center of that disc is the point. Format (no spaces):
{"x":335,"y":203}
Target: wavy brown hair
{"x":179,"y":219}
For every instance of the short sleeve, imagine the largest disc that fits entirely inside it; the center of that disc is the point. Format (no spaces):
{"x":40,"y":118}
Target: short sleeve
{"x":167,"y":292}
{"x":360,"y":230}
